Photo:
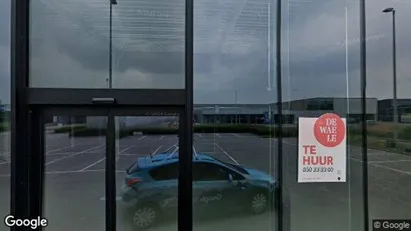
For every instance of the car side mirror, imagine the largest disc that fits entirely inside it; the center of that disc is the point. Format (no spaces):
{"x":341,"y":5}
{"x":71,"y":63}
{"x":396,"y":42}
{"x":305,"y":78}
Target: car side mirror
{"x":230,"y":178}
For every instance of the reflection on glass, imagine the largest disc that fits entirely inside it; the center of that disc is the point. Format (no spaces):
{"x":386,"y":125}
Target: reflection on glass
{"x":5,"y":86}
{"x":321,"y":76}
{"x":234,"y":183}
{"x":389,"y":135}
{"x":147,"y":172}
{"x":70,"y":44}
{"x":148,"y":44}
{"x":74,"y":196}
{"x":231,"y":188}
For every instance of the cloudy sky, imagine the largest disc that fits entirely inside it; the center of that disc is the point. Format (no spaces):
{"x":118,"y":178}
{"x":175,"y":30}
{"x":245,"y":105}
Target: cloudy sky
{"x":69,"y":47}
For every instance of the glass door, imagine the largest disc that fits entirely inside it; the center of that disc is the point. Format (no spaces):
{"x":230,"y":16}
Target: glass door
{"x":146,"y":160}
{"x":110,"y":169}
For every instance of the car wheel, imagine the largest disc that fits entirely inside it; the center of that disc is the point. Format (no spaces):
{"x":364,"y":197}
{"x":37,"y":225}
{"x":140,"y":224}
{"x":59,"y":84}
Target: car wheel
{"x":259,"y":203}
{"x":145,"y":216}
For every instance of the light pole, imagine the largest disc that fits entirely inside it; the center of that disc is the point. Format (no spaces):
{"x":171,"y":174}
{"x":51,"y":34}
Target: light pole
{"x":394,"y":62}
{"x":236,"y":116}
{"x":110,"y":65}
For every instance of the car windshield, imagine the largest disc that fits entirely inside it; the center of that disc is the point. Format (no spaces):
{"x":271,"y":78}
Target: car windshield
{"x":236,"y":166}
{"x":173,"y":151}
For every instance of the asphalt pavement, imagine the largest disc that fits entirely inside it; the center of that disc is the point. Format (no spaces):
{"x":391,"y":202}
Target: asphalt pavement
{"x":75,"y":190}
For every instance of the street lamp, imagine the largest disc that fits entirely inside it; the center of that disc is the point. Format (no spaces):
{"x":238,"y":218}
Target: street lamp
{"x":395,"y":112}
{"x":236,"y":102}
{"x":110,"y":77}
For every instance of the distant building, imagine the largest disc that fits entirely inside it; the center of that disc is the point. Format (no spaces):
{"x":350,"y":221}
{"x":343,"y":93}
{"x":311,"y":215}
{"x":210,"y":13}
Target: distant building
{"x":67,"y":120}
{"x":291,"y":111}
{"x":132,"y":121}
{"x":4,"y":107}
{"x":4,"y":112}
{"x":386,"y":110}
{"x":231,"y":113}
{"x":348,"y":108}
{"x":258,"y":113}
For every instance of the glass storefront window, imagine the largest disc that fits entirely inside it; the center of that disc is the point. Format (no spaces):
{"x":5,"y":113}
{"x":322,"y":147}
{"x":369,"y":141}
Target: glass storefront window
{"x":234,"y":182}
{"x":74,"y":180}
{"x":69,"y":45}
{"x":321,"y":75}
{"x":389,"y":133}
{"x":236,"y":146}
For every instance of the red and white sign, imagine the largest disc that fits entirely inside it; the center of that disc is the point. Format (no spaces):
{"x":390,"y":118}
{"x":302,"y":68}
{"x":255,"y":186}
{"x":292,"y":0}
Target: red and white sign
{"x":322,"y":149}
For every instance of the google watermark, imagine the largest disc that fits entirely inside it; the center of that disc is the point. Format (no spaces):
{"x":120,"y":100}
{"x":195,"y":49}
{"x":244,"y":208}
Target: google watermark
{"x":34,"y":223}
{"x":353,"y":41}
{"x":388,"y":225}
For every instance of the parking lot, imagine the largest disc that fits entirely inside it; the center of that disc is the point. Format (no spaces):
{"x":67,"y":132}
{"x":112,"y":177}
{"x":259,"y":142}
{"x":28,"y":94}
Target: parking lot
{"x":75,"y":190}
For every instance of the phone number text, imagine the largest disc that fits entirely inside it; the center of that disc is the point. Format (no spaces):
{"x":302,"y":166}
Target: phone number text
{"x":318,"y":169}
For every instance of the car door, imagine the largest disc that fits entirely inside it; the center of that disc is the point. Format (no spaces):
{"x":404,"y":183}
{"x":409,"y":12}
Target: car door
{"x":237,"y":191}
{"x":212,"y":189}
{"x":164,"y":190}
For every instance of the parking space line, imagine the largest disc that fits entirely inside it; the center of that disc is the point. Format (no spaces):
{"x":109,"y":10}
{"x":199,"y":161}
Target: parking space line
{"x":90,"y":170}
{"x":229,"y":156}
{"x":75,"y":154}
{"x":383,"y":167}
{"x":218,"y":135}
{"x":142,"y":137}
{"x":392,"y":169}
{"x":236,"y":135}
{"x":386,"y":161}
{"x":208,"y":138}
{"x":64,"y":148}
{"x":62,"y":153}
{"x":6,"y":162}
{"x":161,"y":137}
{"x":169,"y":148}
{"x":354,"y":159}
{"x":122,"y":151}
{"x":195,"y":151}
{"x":91,"y":165}
{"x":155,"y":151}
{"x":211,"y":152}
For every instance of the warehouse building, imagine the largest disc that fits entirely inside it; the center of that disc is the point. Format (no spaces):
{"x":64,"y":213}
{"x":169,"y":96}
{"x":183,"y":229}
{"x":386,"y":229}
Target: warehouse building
{"x":267,"y":113}
{"x":386,"y":110}
{"x":256,"y":113}
{"x":231,"y":113}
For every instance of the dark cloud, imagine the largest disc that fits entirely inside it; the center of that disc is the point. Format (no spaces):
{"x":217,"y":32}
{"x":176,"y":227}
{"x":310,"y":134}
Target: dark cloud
{"x":170,"y":62}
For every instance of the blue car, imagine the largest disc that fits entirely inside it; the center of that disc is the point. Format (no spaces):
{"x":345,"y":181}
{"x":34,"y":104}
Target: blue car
{"x":150,"y":189}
